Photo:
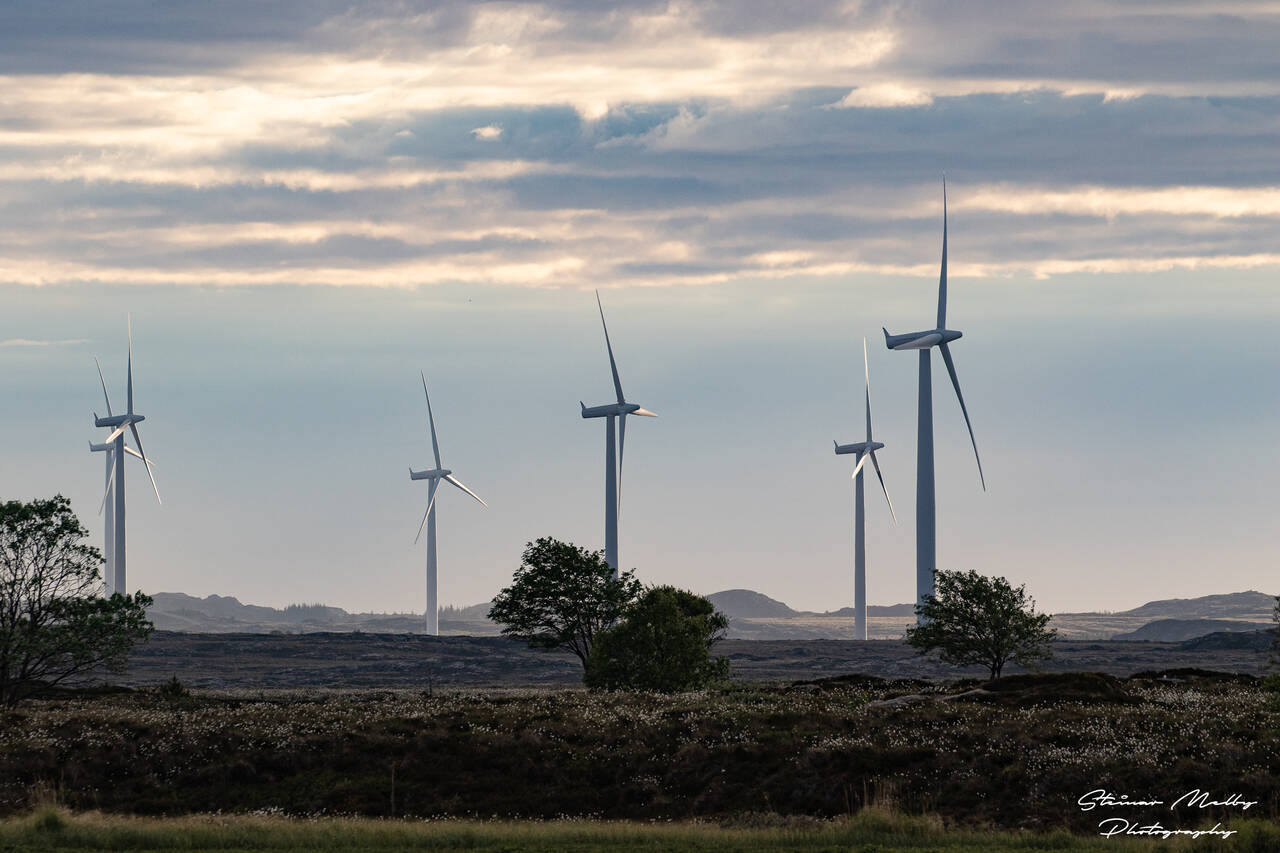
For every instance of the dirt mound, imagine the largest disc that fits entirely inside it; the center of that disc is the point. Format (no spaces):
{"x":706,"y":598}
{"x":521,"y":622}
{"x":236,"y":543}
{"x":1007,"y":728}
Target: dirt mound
{"x":1259,"y":641}
{"x":1034,"y":688}
{"x":1192,"y":675}
{"x":856,"y":681}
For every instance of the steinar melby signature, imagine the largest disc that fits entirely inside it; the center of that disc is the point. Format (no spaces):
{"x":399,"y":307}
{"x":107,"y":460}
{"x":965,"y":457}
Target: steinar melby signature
{"x":1195,"y":798}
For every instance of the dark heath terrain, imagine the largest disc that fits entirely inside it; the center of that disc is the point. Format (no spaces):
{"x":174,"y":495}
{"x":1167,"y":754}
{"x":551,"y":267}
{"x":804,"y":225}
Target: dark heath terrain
{"x":420,"y":661}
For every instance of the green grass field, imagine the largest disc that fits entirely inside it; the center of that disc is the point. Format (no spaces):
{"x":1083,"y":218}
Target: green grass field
{"x":50,"y":829}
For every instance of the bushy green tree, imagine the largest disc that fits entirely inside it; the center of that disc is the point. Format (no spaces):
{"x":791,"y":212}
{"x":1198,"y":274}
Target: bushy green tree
{"x":55,"y":625}
{"x":663,"y":643}
{"x":1275,"y":637}
{"x":562,"y":597}
{"x":972,"y":619}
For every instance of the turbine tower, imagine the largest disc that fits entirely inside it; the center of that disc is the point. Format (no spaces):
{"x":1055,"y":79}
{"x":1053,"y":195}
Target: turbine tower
{"x":433,"y":476}
{"x":865,"y":450}
{"x":612,"y":460}
{"x":115,"y":538}
{"x":940,"y":337}
{"x":108,"y":529}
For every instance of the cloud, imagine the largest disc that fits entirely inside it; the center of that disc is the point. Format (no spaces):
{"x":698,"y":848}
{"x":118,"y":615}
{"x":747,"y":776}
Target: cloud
{"x":25,"y":342}
{"x":654,"y":143}
{"x":886,"y":95}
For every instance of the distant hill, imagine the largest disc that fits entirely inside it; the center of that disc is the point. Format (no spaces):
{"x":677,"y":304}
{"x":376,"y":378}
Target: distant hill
{"x":748,"y":604}
{"x":1177,"y":630}
{"x":474,"y":613}
{"x":1235,"y":605}
{"x":876,"y":610}
{"x":176,"y":611}
{"x":752,"y":616}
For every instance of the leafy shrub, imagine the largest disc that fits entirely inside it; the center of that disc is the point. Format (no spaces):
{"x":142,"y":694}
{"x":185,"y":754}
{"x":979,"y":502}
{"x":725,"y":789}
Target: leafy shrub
{"x":662,"y":644}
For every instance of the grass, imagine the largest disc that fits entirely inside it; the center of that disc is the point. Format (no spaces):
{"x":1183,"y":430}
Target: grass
{"x":870,"y":831}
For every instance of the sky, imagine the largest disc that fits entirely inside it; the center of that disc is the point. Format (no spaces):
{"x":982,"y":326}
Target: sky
{"x":301,"y":205}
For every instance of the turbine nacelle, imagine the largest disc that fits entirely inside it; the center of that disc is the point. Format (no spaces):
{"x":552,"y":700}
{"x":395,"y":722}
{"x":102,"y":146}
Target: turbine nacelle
{"x":612,"y":409}
{"x":430,"y":474}
{"x":117,"y":420}
{"x":110,"y":447}
{"x":859,"y":447}
{"x":921,"y":340}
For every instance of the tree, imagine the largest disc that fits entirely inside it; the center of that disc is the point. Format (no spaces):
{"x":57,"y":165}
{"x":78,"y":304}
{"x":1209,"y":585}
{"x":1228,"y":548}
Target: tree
{"x":561,"y":597}
{"x":663,"y":643}
{"x":54,"y":624}
{"x":1272,"y":681}
{"x":1275,"y":634}
{"x":973,"y":619}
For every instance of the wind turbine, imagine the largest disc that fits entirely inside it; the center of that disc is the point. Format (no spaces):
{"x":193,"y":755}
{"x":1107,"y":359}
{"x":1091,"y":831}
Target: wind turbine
{"x":940,"y":337}
{"x":612,"y":462}
{"x":108,"y":548}
{"x":865,"y":450}
{"x":115,"y":538}
{"x":433,"y":476}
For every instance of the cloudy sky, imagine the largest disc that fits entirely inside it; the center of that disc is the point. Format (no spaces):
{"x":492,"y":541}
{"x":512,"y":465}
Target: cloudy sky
{"x":303,"y":204}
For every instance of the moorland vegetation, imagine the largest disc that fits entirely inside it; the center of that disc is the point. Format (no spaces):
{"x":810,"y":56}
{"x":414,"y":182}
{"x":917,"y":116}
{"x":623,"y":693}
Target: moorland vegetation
{"x":819,"y":749}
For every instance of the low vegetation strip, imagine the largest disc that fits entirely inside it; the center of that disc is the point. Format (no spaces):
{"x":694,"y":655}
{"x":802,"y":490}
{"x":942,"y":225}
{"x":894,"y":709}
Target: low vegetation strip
{"x":1009,"y":758}
{"x":872,"y":831}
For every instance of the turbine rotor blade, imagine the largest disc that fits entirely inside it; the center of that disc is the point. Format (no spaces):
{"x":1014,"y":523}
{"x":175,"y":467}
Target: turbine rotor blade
{"x":116,"y":434}
{"x":942,"y":278}
{"x":131,"y":365}
{"x":138,"y":440}
{"x":880,"y":476}
{"x":423,"y":523}
{"x":456,"y":482}
{"x":622,"y":449}
{"x":866,"y":366}
{"x":431,"y":418}
{"x":104,"y":386}
{"x":613,"y":365}
{"x":862,"y":460}
{"x":951,"y":369}
{"x":132,"y":452}
{"x":111,"y":475}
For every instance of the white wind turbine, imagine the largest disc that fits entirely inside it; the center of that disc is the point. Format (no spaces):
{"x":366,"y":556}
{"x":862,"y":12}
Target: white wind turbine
{"x":865,"y":450}
{"x":108,"y":548}
{"x":613,"y":462}
{"x":116,"y":449}
{"x":433,"y":476}
{"x":940,"y":337}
